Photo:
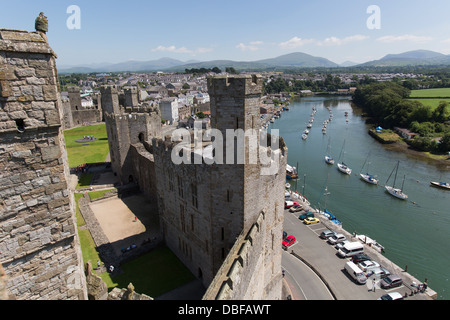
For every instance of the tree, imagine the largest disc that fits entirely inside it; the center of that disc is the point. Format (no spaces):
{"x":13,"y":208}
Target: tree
{"x":440,"y":114}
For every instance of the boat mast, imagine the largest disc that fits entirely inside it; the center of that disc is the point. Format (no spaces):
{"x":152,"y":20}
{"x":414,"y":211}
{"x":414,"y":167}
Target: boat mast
{"x":396,"y":171}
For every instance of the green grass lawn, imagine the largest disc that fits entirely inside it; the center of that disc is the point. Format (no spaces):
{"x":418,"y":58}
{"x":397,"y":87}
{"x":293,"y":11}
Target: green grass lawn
{"x":153,"y":274}
{"x":431,"y":93}
{"x":433,"y":103}
{"x":92,"y":152}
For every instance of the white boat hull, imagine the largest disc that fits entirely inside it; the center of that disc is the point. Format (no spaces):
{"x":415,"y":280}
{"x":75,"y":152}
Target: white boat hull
{"x":396,"y":193}
{"x":329,"y":160}
{"x":344,"y":169}
{"x":368,"y":178}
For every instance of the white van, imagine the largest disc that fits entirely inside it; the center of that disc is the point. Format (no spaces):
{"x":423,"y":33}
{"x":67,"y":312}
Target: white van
{"x":355,"y":272}
{"x":350,"y":249}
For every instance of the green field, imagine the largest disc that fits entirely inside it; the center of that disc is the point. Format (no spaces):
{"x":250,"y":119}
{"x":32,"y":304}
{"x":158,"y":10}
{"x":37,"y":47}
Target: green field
{"x":433,"y":103}
{"x":431,"y":93}
{"x":92,"y":152}
{"x":425,"y":96}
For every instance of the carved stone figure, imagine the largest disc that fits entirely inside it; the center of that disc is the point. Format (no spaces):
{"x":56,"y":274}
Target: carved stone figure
{"x":41,"y":23}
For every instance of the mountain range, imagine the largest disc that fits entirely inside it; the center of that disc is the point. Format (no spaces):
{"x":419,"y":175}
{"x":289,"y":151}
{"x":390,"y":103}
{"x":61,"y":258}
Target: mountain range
{"x":292,"y":60}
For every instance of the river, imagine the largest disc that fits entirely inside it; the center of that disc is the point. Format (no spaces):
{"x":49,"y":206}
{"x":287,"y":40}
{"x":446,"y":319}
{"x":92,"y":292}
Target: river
{"x":415,"y":232}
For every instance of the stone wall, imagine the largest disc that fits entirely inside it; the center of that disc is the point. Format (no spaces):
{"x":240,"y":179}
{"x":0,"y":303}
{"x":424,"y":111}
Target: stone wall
{"x":39,"y":246}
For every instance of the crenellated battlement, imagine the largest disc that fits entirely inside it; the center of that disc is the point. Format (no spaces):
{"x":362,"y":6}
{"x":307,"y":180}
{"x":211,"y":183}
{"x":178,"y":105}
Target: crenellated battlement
{"x":241,"y":85}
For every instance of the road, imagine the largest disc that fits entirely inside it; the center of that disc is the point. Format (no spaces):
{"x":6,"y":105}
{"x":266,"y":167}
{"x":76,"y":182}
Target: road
{"x":325,"y":277}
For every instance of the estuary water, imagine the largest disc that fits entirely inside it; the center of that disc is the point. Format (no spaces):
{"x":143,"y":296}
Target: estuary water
{"x":415,"y":232}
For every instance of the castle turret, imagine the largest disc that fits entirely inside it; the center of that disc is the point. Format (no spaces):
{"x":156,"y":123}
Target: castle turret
{"x":39,"y":245}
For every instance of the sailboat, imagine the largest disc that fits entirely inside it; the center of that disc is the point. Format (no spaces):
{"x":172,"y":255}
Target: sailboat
{"x":325,"y":212}
{"x":342,"y":167}
{"x":291,"y":172}
{"x":398,"y":193}
{"x":443,"y":185}
{"x":328,"y":158}
{"x":367,"y":177}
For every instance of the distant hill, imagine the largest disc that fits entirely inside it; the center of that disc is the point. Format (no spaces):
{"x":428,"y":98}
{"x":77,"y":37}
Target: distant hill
{"x":132,"y":66}
{"x":411,"y":58}
{"x":297,"y":59}
{"x":292,"y":60}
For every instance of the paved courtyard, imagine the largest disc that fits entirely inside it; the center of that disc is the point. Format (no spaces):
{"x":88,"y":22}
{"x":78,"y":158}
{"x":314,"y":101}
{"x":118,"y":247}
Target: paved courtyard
{"x":126,"y":222}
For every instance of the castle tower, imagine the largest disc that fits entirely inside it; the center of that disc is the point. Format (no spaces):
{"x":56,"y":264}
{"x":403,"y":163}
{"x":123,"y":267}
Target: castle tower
{"x":39,"y":245}
{"x":126,"y":127}
{"x":74,"y":98}
{"x":205,"y":208}
{"x":131,"y":96}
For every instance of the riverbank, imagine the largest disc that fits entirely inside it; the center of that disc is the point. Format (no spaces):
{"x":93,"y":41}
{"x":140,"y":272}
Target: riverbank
{"x":442,"y":162}
{"x":397,"y":144}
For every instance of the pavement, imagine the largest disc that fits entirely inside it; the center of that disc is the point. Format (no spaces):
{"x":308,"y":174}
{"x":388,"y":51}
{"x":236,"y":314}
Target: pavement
{"x":328,"y":268}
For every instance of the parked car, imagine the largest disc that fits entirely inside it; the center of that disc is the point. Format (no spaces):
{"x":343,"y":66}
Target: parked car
{"x":391,"y":281}
{"x":336,"y":238}
{"x":296,"y":208}
{"x":289,"y":204}
{"x":284,"y":235}
{"x":391,"y":296}
{"x":289,"y":241}
{"x":368,"y":265}
{"x":379,"y":273}
{"x":360,"y":258}
{"x":306,"y":215}
{"x":342,"y":244}
{"x":311,"y":221}
{"x":327,"y":233}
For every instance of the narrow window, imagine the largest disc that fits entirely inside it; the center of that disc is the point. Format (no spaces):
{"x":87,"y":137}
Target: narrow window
{"x":180,"y":187}
{"x":194,"y":196}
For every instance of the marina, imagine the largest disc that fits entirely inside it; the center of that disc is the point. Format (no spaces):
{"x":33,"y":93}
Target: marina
{"x":415,"y":231}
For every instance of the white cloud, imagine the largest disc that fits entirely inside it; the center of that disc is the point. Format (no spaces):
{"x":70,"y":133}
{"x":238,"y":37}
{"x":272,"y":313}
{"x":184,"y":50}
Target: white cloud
{"x":406,"y":37}
{"x":181,"y":50}
{"x":294,"y":43}
{"x":334,"y":41}
{"x":245,"y":47}
{"x":445,"y":41}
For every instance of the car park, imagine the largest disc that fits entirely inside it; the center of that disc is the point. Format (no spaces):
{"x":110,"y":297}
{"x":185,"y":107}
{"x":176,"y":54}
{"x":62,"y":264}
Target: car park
{"x":296,"y":208}
{"x":288,"y":241}
{"x":306,"y":215}
{"x":311,"y":221}
{"x":368,"y":265}
{"x":327,"y":233}
{"x":391,"y":281}
{"x":336,"y":238}
{"x":391,"y":296}
{"x":289,"y":204}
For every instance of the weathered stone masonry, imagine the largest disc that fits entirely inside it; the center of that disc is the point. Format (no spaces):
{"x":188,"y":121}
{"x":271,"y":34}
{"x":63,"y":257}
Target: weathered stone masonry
{"x":39,"y":248}
{"x":206,"y":210}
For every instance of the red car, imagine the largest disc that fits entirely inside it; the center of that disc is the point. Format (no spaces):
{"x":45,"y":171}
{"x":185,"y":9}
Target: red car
{"x":289,"y":204}
{"x":288,"y":241}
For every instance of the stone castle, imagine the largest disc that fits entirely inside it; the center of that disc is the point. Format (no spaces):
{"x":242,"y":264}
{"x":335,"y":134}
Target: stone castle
{"x":223,"y":221}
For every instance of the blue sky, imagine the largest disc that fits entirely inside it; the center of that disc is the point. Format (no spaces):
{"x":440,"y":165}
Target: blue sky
{"x":245,"y":30}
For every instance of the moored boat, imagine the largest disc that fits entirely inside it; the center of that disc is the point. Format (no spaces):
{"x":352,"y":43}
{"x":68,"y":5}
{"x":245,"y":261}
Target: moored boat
{"x":368,"y":178}
{"x":443,"y":185}
{"x":392,"y":190}
{"x":329,"y":160}
{"x":291,"y":172}
{"x":344,"y":168}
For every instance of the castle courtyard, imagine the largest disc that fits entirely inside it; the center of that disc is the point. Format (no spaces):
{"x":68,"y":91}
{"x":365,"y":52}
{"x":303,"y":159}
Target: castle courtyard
{"x":126,"y":222}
